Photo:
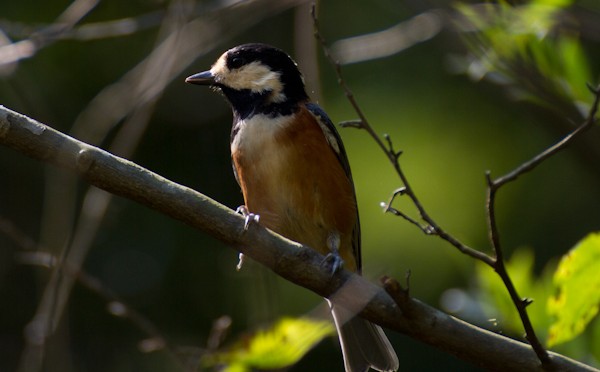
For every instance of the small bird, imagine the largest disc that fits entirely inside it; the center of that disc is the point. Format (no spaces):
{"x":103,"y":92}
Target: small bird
{"x":292,"y":167}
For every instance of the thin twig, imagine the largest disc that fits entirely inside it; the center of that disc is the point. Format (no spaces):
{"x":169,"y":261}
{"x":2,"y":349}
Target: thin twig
{"x":8,"y":228}
{"x":431,"y":227}
{"x":493,"y":186}
{"x":117,"y":307}
{"x":27,"y":48}
{"x":387,"y":208}
{"x":30,"y":253}
{"x":500,"y":268}
{"x":552,"y":150}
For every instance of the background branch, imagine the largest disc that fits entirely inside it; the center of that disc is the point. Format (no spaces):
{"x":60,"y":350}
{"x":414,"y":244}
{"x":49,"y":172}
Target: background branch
{"x":126,"y":106}
{"x":298,"y":264}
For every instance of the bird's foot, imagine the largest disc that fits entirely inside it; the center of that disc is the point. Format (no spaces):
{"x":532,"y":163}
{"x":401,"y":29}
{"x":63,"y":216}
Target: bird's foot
{"x":333,"y":261}
{"x":248,"y":217}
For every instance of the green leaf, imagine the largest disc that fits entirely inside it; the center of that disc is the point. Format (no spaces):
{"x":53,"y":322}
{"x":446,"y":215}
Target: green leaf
{"x":528,"y":50}
{"x":282,"y":345}
{"x":577,"y":72}
{"x":578,"y":285}
{"x":236,"y":367}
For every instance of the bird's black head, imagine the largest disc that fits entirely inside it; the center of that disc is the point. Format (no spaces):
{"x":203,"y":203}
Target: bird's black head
{"x":256,"y":78}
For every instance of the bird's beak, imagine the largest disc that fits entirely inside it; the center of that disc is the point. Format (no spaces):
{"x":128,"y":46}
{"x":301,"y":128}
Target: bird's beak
{"x":201,"y":78}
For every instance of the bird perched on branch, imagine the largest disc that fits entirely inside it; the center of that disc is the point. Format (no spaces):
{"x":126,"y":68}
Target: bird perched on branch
{"x":291,"y":165}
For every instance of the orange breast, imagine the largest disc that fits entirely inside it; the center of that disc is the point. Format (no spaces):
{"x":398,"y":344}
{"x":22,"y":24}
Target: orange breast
{"x":292,"y":178}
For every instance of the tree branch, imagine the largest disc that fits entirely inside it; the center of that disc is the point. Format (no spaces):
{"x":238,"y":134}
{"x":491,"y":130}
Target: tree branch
{"x":294,"y":262}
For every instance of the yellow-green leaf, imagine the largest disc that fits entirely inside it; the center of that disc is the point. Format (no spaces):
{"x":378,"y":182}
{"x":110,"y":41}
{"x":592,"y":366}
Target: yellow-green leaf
{"x":282,"y":345}
{"x":578,"y":286}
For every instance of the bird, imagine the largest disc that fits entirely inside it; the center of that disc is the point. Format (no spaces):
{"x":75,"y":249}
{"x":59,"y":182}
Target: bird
{"x":294,"y":174}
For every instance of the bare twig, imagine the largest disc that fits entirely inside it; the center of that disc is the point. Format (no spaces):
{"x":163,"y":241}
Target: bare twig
{"x":8,"y":228}
{"x":30,"y":253}
{"x":27,"y":48}
{"x":115,"y":305}
{"x":552,"y":150}
{"x":387,"y":207}
{"x":494,"y":185}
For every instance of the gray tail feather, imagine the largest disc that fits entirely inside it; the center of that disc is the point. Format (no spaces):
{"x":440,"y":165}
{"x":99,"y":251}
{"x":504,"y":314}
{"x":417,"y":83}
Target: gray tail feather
{"x":364,"y":345}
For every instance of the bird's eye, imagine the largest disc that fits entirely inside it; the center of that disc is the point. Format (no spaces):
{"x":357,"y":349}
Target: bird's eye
{"x":237,"y":62}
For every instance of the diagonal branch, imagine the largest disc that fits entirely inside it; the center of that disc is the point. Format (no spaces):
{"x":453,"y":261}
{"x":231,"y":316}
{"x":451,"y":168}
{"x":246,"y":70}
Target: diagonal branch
{"x":292,"y":261}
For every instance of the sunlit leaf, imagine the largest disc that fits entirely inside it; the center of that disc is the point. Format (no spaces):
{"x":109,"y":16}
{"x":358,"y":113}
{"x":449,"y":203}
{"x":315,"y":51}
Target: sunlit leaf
{"x":282,"y":345}
{"x":538,"y":59}
{"x":554,"y":3}
{"x":595,"y":337}
{"x":578,"y":285}
{"x":577,"y":72}
{"x":236,"y":367}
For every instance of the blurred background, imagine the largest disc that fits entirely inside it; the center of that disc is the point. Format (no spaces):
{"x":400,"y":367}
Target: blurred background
{"x":461,"y":88}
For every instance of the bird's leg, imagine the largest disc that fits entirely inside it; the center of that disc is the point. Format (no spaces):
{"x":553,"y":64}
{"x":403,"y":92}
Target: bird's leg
{"x":333,"y":258}
{"x":248,"y":218}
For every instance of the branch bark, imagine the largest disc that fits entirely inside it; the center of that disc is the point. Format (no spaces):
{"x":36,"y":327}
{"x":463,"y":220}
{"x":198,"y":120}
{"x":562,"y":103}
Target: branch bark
{"x":292,"y":261}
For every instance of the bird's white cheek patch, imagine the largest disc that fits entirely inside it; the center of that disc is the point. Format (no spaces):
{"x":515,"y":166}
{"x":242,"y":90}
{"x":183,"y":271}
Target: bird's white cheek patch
{"x":254,"y":76}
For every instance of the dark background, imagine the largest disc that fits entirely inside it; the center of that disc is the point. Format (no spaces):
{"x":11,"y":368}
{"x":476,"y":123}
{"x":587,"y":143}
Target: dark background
{"x":451,"y":129}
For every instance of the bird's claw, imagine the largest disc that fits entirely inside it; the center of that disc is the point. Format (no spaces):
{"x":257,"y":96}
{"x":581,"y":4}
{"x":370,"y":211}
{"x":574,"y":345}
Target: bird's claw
{"x":241,"y":257}
{"x":334,"y":262}
{"x":333,"y":259}
{"x":248,"y":217}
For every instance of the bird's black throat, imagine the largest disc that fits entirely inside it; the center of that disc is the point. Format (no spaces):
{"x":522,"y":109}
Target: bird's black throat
{"x":246,"y":103}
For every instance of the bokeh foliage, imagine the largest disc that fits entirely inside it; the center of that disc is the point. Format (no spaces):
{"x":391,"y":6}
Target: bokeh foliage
{"x":280,"y":346}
